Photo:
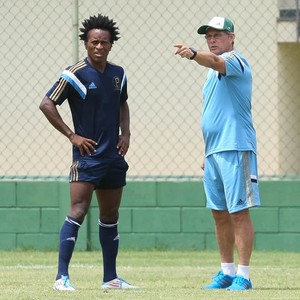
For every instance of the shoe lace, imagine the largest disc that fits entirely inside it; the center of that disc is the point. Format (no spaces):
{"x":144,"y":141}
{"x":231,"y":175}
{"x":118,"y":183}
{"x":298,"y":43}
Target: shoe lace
{"x":218,"y":276}
{"x":241,"y":281}
{"x":121,"y":279}
{"x":66,"y":281}
{"x":221,"y":278}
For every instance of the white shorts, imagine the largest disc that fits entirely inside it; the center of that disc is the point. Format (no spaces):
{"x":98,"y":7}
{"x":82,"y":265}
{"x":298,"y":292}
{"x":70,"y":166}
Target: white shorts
{"x":231,"y":181}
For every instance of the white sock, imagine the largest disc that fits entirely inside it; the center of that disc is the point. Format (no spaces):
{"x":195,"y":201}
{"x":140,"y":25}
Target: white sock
{"x":228,"y":268}
{"x":243,"y":271}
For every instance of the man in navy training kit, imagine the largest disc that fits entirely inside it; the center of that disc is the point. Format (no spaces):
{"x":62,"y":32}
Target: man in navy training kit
{"x":230,"y":165}
{"x":97,"y":94}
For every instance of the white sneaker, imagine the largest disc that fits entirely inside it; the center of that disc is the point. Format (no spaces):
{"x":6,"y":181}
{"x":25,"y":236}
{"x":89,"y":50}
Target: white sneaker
{"x":118,"y":283}
{"x":63,"y":284}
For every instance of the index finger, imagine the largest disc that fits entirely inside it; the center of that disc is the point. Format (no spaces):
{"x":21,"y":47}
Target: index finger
{"x":177,"y":45}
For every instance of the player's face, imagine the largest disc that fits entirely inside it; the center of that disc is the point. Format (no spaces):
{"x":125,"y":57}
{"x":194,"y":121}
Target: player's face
{"x":219,"y":41}
{"x":98,"y":45}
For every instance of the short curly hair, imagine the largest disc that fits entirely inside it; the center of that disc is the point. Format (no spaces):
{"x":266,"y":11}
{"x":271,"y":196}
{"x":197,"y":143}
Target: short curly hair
{"x":99,"y":22}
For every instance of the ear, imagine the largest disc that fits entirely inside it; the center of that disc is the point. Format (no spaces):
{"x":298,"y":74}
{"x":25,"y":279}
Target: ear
{"x":111,"y":45}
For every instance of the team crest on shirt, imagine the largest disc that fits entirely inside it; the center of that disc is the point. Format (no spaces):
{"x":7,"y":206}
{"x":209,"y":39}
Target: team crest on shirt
{"x":116,"y":82}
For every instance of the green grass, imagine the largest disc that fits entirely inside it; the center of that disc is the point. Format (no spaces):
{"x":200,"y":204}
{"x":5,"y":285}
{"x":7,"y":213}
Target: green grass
{"x":160,"y":274}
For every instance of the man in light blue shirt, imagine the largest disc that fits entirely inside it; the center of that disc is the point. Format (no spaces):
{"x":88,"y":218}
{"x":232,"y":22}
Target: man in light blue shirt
{"x":230,"y":166}
{"x":226,"y":111}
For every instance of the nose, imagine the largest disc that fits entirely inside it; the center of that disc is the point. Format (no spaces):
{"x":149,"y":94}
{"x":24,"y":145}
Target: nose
{"x":212,"y":41}
{"x":99,"y":45}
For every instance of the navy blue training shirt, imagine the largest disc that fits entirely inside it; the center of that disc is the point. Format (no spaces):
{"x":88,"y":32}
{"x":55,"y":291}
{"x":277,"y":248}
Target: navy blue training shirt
{"x":94,"y":100}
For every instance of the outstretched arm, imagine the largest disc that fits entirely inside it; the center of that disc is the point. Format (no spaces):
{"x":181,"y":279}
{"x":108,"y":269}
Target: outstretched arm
{"x":203,"y":58}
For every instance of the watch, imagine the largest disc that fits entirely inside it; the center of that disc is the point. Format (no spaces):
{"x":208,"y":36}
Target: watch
{"x":194,"y":53}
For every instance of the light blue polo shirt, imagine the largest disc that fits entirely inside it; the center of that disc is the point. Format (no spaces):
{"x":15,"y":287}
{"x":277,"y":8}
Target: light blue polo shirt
{"x":226,"y":109}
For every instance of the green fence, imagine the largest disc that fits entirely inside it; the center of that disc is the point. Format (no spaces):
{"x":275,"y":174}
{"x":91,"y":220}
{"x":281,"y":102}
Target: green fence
{"x":154,"y":214}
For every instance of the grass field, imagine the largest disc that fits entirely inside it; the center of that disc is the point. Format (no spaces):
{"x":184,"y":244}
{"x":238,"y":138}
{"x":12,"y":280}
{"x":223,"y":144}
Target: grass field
{"x":160,"y":274}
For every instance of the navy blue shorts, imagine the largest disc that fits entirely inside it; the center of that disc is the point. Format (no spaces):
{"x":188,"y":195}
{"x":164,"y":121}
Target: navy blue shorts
{"x":104,"y":173}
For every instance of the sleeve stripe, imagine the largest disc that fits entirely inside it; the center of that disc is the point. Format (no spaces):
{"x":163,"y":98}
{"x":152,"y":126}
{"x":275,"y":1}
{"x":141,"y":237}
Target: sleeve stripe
{"x":63,"y":81}
{"x":58,"y":90}
{"x":240,"y":61}
{"x":124,"y":79}
{"x":75,"y":82}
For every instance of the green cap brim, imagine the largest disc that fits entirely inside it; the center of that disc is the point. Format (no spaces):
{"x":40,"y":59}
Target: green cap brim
{"x":202,"y":29}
